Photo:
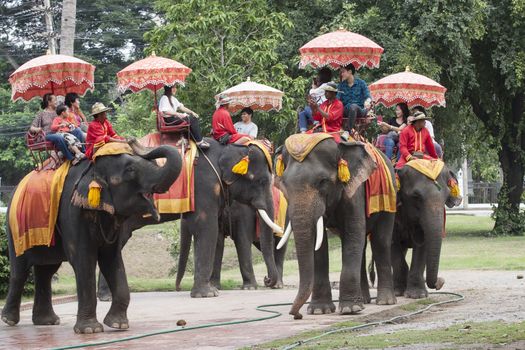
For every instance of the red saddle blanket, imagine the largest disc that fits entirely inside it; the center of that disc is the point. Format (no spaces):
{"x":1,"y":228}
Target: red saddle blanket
{"x":34,"y":209}
{"x":180,"y":197}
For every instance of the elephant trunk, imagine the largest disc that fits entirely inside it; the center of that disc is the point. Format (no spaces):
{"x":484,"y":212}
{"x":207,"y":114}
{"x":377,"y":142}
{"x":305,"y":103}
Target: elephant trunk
{"x":163,"y":177}
{"x":268,"y":244}
{"x":433,"y":229}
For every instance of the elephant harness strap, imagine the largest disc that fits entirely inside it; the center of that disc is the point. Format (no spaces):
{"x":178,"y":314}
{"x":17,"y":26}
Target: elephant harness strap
{"x":34,"y":208}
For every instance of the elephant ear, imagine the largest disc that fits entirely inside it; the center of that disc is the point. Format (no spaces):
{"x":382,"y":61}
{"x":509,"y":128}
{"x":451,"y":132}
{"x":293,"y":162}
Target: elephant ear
{"x":93,"y":185}
{"x":234,"y":156}
{"x":360,"y":163}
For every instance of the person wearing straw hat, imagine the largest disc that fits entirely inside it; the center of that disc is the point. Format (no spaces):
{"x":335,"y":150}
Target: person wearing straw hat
{"x":222,"y":124}
{"x":330,"y":113}
{"x":415,"y":141}
{"x":100,"y":131}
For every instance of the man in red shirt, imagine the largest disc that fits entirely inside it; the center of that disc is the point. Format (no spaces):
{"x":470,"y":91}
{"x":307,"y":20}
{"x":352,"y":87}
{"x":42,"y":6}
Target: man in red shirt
{"x":330,"y":113}
{"x":222,"y":125}
{"x":100,"y":131}
{"x":415,"y":141}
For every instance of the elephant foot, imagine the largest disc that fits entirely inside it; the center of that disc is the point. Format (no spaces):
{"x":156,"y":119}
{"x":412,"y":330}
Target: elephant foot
{"x":249,"y":286}
{"x":204,"y":292}
{"x":49,"y":319}
{"x":116,"y":321}
{"x":216,"y":285}
{"x":367,"y":299}
{"x":88,"y":327}
{"x":105,"y":297}
{"x":416,"y":293}
{"x":399,"y":292}
{"x":320,"y":308}
{"x":351,"y":307}
{"x":10,"y":318}
{"x":385,"y":297}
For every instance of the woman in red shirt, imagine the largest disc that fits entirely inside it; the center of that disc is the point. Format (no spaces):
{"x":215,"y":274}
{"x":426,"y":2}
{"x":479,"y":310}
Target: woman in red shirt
{"x":222,"y":125}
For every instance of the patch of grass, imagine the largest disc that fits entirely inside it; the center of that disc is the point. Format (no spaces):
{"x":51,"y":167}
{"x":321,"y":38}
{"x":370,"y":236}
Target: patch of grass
{"x":468,"y":225}
{"x":486,"y":333}
{"x":417,"y":305}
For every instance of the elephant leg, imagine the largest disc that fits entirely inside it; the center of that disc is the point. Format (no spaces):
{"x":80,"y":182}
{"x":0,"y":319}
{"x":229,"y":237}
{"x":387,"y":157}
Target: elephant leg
{"x":381,"y":241}
{"x":365,"y":287}
{"x":103,"y":291}
{"x":84,"y":264}
{"x":112,"y":267}
{"x":217,"y":265}
{"x":416,"y":282}
{"x":321,"y":302}
{"x":400,"y":268}
{"x":243,"y":244}
{"x":17,"y":279}
{"x":353,"y":242}
{"x":280,"y":256}
{"x":43,"y":313}
{"x":205,"y":242}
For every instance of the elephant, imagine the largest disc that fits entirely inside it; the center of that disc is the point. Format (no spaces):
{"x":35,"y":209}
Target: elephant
{"x":316,"y":195}
{"x":243,"y":229}
{"x":217,"y":187}
{"x":85,"y":236}
{"x":419,"y":225}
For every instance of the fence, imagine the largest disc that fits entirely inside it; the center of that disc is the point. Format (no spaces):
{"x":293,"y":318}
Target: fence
{"x":483,"y":192}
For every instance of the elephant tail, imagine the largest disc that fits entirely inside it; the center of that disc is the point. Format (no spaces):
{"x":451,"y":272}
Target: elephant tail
{"x":371,"y":271}
{"x":185,"y":245}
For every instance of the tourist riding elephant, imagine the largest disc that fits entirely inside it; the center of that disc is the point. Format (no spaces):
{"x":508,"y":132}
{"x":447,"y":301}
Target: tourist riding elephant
{"x":420,"y":225}
{"x":87,"y":233}
{"x":243,"y":232}
{"x":216,"y":187}
{"x":319,"y":198}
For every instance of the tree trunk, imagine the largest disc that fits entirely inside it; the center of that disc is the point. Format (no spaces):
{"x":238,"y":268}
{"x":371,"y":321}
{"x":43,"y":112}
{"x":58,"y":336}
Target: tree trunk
{"x":67,"y":28}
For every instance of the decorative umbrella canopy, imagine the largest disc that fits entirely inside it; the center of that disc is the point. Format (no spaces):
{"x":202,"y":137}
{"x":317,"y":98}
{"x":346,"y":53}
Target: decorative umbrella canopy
{"x":152,"y":73}
{"x":340,"y":48}
{"x":414,"y":89}
{"x":254,"y":95}
{"x":56,"y":74}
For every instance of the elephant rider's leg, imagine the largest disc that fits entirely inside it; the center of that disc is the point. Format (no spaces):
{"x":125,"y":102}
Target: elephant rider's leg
{"x":43,"y":313}
{"x":19,"y":272}
{"x":381,"y":241}
{"x":322,"y":290}
{"x":416,"y":282}
{"x":112,"y":267}
{"x":204,"y":226}
{"x":217,"y":265}
{"x":353,"y":242}
{"x":399,"y":268}
{"x":243,"y":238}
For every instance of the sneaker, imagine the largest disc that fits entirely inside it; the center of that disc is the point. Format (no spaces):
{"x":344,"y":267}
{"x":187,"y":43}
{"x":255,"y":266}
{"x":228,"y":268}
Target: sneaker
{"x":203,"y":144}
{"x":345,"y":135}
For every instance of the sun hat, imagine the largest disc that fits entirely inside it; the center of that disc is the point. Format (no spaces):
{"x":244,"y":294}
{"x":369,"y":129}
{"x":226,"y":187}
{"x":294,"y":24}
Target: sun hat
{"x":98,"y":108}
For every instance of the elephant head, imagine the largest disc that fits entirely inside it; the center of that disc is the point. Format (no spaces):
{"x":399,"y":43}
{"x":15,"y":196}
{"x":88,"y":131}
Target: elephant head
{"x":423,"y":206}
{"x":246,"y":174}
{"x":314,"y":189}
{"x":126,"y":182}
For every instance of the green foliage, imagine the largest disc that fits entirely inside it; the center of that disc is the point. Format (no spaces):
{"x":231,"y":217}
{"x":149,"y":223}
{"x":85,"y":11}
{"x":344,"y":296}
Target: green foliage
{"x":4,"y":259}
{"x":135,"y":116}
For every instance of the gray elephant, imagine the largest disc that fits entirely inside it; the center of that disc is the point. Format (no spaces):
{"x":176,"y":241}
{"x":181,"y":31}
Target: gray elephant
{"x":85,"y":236}
{"x":217,"y":187}
{"x":318,"y":198}
{"x":243,"y":232}
{"x":420,"y":225}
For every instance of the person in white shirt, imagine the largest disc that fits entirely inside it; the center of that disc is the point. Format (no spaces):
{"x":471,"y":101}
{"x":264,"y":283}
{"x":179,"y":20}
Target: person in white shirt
{"x":316,"y":94}
{"x":246,"y":126}
{"x":175,"y":113}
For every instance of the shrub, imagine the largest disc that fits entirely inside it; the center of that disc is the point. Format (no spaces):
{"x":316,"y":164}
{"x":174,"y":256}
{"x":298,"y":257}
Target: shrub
{"x":4,"y":258}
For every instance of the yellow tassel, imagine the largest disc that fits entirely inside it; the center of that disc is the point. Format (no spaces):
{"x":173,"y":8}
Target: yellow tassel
{"x":454,"y":190}
{"x":398,"y":184}
{"x":242,"y":166}
{"x":94,"y":194}
{"x":343,"y":173}
{"x":279,"y":166}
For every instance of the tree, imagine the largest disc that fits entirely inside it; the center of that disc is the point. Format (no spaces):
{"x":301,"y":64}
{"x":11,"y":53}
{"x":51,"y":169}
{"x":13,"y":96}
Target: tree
{"x":67,"y":27}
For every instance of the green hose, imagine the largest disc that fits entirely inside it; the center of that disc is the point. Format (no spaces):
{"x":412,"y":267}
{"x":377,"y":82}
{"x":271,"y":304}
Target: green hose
{"x":274,"y":315}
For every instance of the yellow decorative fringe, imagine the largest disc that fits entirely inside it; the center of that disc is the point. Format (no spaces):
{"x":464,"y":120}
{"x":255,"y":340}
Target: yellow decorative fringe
{"x":94,"y":194}
{"x":343,"y":173}
{"x":279,"y":166}
{"x":454,"y":190}
{"x":242,"y":166}
{"x":398,"y":184}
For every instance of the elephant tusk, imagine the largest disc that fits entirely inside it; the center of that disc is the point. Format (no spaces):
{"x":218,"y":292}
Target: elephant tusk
{"x":264,"y":215}
{"x":320,"y":233}
{"x":285,"y":237}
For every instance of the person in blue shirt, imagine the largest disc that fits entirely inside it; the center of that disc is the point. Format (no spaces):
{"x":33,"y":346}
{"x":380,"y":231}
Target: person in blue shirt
{"x":354,"y":94}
